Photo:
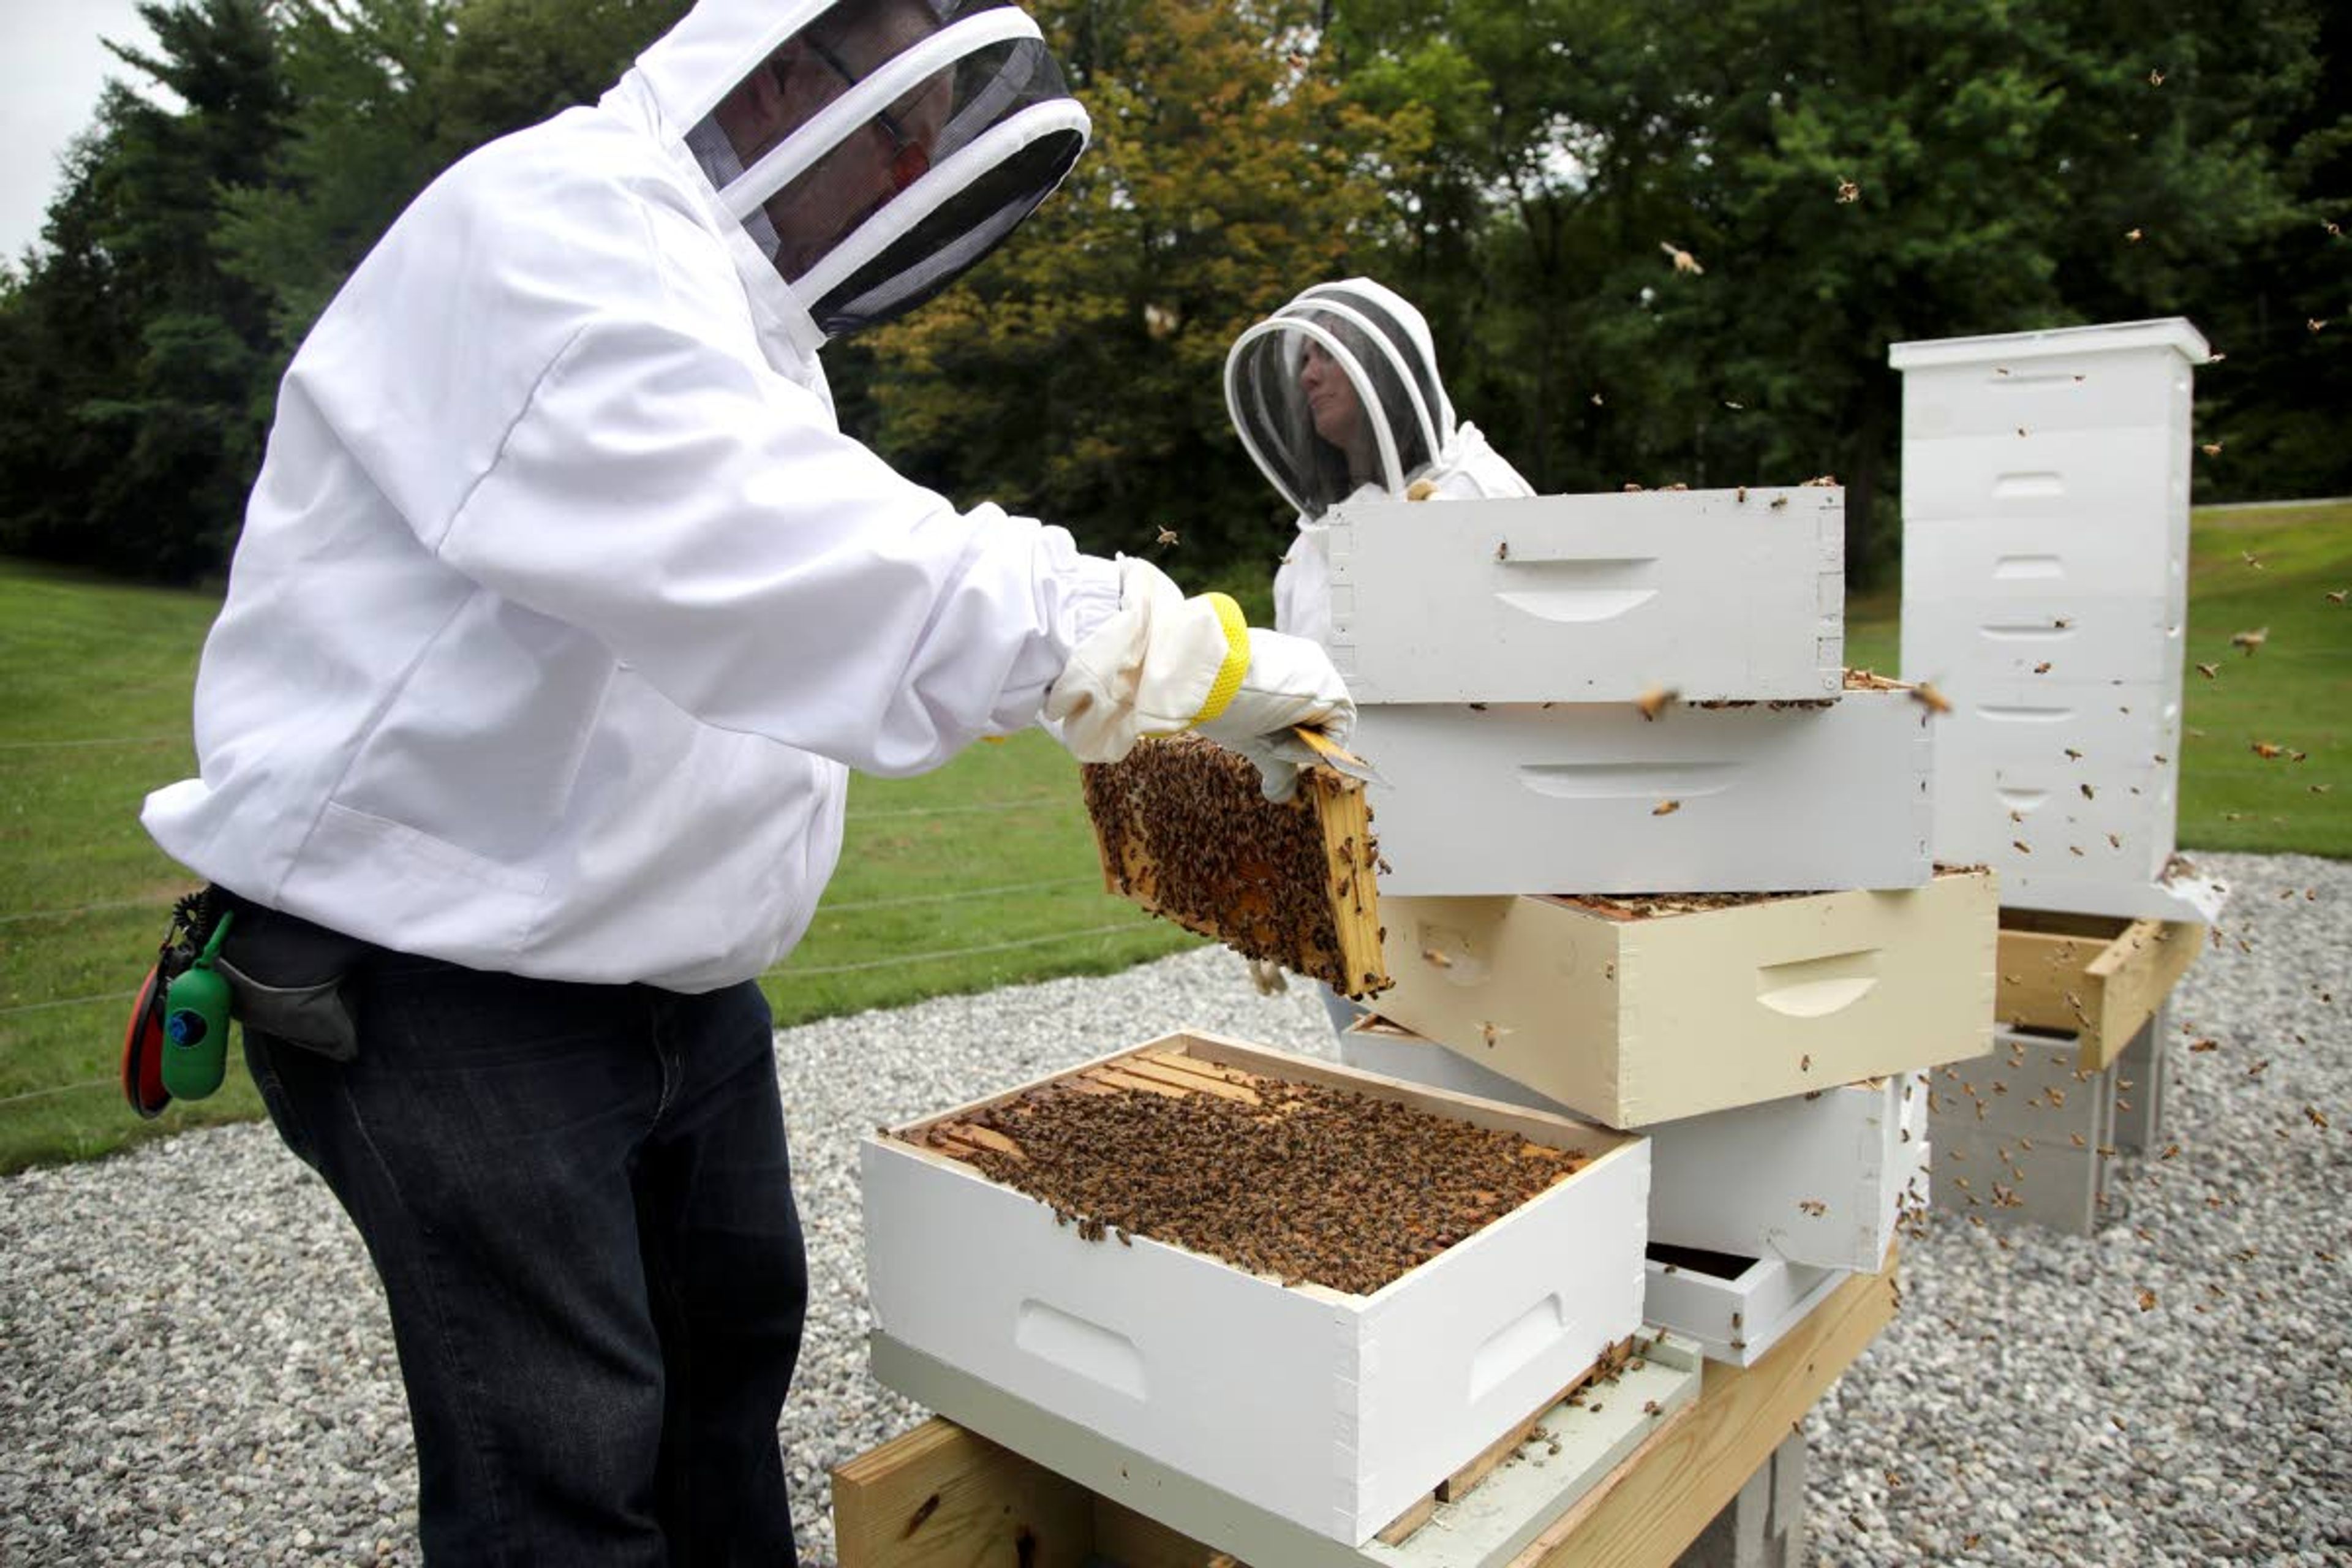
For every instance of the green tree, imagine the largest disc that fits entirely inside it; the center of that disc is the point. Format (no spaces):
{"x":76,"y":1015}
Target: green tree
{"x":126,"y":438}
{"x":1079,"y":374}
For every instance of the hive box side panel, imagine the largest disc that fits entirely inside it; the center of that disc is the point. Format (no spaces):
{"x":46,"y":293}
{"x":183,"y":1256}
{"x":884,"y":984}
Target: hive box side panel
{"x":2135,"y":478}
{"x":1814,"y":1179}
{"x":1448,"y":1370}
{"x":1149,"y":1345}
{"x":1592,"y":798}
{"x":1635,"y":1022}
{"x":1736,"y":1321}
{"x":1800,"y":993}
{"x":1517,"y":991}
{"x":2034,"y":561}
{"x":1591,"y":598}
{"x":1961,"y":643}
{"x":2078,"y":390}
{"x":1372,"y":1044}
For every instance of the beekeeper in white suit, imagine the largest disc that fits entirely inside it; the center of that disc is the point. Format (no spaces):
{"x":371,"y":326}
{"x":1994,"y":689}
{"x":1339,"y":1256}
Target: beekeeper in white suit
{"x":1336,"y":397}
{"x":562,"y":611}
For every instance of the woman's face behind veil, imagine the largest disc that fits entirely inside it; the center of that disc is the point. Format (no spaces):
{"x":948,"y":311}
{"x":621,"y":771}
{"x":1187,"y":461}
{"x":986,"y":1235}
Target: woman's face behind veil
{"x":1332,"y":401}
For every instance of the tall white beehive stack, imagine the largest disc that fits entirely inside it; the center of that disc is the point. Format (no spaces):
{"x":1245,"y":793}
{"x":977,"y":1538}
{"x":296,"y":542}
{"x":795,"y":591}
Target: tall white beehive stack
{"x":1596,"y":716}
{"x":2046,"y":591}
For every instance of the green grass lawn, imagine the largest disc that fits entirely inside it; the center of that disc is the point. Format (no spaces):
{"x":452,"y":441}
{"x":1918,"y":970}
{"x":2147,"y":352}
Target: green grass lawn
{"x":981,"y":874}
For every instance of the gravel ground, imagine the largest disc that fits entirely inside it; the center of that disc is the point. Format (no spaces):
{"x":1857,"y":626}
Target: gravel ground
{"x":195,"y":1367}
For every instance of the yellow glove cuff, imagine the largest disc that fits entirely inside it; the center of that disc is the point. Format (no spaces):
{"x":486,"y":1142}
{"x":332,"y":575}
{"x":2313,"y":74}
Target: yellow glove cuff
{"x":1221,"y":691}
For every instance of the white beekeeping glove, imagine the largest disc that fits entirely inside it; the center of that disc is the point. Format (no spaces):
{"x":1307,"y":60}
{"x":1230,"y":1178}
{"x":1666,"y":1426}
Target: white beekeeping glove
{"x":1163,"y":663}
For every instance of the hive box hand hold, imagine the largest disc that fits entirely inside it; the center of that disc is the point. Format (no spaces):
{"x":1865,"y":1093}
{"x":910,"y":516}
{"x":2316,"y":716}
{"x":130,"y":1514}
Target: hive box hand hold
{"x":1636,"y":1011}
{"x":1591,"y":598}
{"x":1332,"y":1409}
{"x":1987,"y":639}
{"x":1594,"y":797}
{"x":1185,"y":831}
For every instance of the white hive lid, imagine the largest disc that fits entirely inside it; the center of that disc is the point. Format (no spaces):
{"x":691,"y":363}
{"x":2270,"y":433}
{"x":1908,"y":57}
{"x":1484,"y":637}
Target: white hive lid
{"x":2169,"y":332}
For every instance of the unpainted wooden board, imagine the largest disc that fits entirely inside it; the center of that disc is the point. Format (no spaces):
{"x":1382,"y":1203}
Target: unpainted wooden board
{"x":942,"y":1496}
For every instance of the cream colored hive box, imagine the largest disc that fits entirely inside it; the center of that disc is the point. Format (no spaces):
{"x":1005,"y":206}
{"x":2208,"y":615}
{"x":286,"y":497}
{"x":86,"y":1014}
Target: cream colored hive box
{"x":1594,"y":798}
{"x":1641,"y":1011}
{"x":1735,"y":1307}
{"x":1334,"y":1411}
{"x":1821,"y":1179}
{"x":2099,"y":977}
{"x":1591,"y":598}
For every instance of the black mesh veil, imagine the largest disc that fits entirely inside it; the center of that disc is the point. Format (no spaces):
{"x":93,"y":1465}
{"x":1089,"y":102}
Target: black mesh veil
{"x":885,"y":146}
{"x":1400,"y":419}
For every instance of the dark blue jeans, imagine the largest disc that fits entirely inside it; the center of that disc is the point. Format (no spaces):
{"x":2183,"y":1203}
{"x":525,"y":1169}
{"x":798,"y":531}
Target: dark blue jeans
{"x":579,"y":1200}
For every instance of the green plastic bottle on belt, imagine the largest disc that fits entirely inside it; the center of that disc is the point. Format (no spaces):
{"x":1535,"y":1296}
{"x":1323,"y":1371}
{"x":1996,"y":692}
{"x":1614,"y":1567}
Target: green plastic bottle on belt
{"x":195,"y":1025}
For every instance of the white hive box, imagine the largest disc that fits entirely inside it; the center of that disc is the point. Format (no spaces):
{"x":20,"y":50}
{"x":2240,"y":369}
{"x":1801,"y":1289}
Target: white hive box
{"x":1333,"y":1411}
{"x":2044,"y":562}
{"x":1640,"y":1020}
{"x":2082,"y":775}
{"x":2087,"y":425}
{"x":1373,"y":1044}
{"x":1591,"y":598}
{"x":1594,"y":798}
{"x":1959,"y":643}
{"x":2025,"y":1134}
{"x":1735,"y":1307}
{"x":1821,"y":1179}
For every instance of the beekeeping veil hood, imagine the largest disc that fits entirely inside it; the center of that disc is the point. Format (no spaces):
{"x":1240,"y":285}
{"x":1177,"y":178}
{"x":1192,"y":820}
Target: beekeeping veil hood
{"x":872,"y":150}
{"x":1382,"y":345}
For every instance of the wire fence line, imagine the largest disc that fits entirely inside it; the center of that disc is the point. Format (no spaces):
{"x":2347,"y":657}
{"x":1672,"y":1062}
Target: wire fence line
{"x":164,"y":901}
{"x":95,"y":740}
{"x":785,"y":971}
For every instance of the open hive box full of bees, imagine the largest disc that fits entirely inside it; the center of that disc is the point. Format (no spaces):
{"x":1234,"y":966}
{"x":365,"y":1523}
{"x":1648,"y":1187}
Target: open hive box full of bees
{"x":1318,"y":1290}
{"x":1186,"y":832}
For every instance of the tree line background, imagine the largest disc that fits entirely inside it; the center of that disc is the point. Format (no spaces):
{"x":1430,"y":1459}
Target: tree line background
{"x":1838,"y":175}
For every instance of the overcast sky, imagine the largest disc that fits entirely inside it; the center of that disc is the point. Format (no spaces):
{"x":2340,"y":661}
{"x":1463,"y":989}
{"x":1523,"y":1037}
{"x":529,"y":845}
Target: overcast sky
{"x":51,"y":65}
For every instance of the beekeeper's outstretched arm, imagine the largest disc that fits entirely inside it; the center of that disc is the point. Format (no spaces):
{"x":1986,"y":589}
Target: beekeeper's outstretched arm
{"x":1166,"y":663}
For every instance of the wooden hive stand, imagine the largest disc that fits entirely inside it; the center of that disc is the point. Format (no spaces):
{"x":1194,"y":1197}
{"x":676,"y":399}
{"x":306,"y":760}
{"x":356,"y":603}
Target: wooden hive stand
{"x":942,"y":1494}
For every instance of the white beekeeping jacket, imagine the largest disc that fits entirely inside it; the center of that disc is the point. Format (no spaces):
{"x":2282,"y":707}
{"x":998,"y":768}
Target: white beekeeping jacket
{"x":562,"y":605}
{"x":1410,"y":444}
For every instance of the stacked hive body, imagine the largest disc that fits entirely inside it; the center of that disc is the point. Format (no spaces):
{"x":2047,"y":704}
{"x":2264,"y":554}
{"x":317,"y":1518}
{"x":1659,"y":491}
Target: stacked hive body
{"x":1142,"y":1250}
{"x":2045,"y":555}
{"x":1651,"y":855}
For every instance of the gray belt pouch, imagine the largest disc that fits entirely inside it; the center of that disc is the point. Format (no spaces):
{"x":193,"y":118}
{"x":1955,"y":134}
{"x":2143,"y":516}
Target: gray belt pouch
{"x":286,"y":978}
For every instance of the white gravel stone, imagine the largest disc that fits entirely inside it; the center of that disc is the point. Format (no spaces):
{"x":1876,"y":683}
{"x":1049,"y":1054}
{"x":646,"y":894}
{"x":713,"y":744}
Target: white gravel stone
{"x":195,"y":1367}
